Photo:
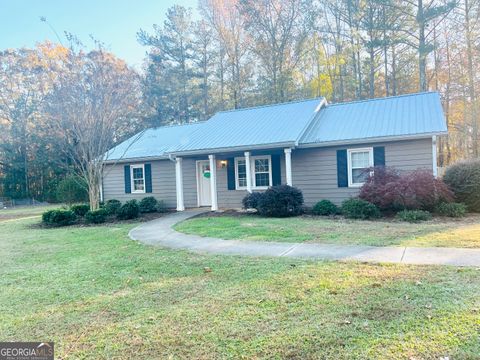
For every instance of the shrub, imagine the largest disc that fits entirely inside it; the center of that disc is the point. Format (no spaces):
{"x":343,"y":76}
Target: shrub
{"x":452,"y":209}
{"x":112,"y":206}
{"x":414,"y":215}
{"x":281,"y":201}
{"x":148,"y":204}
{"x":72,"y":189}
{"x":58,"y":217}
{"x":325,"y":207}
{"x":161,"y":206}
{"x":359,"y":209}
{"x":416,"y":190}
{"x":250,"y":201}
{"x":96,"y":216}
{"x":129,"y":210}
{"x":80,"y":209}
{"x":464,"y":180}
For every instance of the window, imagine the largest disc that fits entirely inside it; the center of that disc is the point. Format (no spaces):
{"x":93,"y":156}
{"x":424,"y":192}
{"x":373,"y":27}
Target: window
{"x":138,"y":178}
{"x":262,"y":172}
{"x":359,"y":161}
{"x":260,"y":169}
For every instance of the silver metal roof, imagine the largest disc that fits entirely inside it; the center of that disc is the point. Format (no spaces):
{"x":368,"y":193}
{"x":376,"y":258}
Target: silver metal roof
{"x":398,"y":116}
{"x":253,"y":127}
{"x":155,"y":142}
{"x":301,"y":123}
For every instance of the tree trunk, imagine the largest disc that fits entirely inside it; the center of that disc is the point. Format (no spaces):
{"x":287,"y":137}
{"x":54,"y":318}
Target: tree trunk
{"x":422,"y":48}
{"x":471,"y":80}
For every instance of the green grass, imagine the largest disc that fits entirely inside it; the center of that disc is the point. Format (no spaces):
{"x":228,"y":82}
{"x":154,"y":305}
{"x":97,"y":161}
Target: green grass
{"x":98,"y":294}
{"x":24,"y":211}
{"x":442,"y":232}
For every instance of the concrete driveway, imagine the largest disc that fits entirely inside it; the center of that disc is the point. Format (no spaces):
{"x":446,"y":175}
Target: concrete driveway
{"x":159,"y":232}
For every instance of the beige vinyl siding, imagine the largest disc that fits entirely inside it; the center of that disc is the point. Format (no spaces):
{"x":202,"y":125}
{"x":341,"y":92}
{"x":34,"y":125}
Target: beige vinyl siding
{"x":233,"y":198}
{"x":314,"y":170}
{"x":163,"y":182}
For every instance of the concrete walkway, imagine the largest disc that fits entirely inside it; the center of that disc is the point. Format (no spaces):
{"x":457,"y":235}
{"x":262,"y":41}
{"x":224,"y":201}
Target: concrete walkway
{"x":160,"y":232}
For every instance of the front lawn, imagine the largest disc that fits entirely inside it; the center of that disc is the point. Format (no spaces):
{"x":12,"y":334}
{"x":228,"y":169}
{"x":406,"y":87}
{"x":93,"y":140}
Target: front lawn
{"x":98,"y":294}
{"x":440,"y":232}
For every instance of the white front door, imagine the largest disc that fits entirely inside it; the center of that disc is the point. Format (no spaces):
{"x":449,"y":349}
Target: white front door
{"x":203,"y":183}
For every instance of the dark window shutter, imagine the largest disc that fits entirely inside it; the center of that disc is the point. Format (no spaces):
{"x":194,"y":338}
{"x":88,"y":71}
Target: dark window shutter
{"x":342,"y":168}
{"x":276,"y":170}
{"x":379,"y":156}
{"x":148,"y":178}
{"x":128,"y":185}
{"x":231,"y":173}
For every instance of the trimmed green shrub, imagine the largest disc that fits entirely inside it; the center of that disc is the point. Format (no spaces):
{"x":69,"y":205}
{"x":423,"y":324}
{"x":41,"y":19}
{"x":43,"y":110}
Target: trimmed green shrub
{"x":129,"y":210}
{"x":325,"y":207}
{"x":71,"y":190}
{"x":250,"y":201}
{"x":452,"y":209}
{"x":112,"y":206}
{"x":281,"y":201}
{"x":58,"y":217}
{"x":464,"y":180}
{"x":355,"y":208}
{"x":80,"y":209}
{"x":148,"y":204}
{"x":161,"y":206}
{"x":96,"y":216}
{"x":413,"y":215}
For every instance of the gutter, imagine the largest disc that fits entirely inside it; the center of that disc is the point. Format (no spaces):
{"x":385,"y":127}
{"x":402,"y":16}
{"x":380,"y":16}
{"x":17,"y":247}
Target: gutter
{"x":125,"y":160}
{"x":371,"y":140}
{"x":290,"y":144}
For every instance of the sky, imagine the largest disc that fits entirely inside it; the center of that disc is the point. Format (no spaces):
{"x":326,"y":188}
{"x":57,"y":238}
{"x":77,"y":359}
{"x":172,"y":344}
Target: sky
{"x":113,"y":22}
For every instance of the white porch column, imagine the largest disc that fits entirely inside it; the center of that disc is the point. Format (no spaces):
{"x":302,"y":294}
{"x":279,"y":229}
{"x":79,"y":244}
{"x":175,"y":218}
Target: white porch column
{"x":213,"y":181}
{"x":434,"y":155}
{"x":248,"y":169}
{"x":288,"y":165}
{"x":179,"y":183}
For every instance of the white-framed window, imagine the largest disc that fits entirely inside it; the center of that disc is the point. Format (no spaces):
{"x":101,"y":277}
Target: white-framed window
{"x":138,"y":178}
{"x":260,"y":170}
{"x":359,"y":161}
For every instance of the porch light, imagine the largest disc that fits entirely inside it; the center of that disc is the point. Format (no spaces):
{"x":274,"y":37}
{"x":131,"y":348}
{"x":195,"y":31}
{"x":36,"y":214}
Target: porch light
{"x":223,"y":164}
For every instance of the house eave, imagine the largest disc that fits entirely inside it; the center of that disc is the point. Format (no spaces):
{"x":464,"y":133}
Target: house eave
{"x":135,"y":159}
{"x":371,"y":140}
{"x":288,"y":144}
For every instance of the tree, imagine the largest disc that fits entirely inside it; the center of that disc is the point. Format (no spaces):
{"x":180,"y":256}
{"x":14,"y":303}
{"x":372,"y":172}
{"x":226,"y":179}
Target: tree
{"x":279,"y":29}
{"x":92,"y":105}
{"x":170,"y":70}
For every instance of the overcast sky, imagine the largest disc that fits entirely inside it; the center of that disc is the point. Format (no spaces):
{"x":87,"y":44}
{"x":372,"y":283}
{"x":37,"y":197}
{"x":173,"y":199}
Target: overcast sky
{"x":114,"y":22}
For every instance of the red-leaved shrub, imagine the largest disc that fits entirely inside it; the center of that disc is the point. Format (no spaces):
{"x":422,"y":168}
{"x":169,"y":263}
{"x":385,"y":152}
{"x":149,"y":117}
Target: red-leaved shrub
{"x":416,"y":190}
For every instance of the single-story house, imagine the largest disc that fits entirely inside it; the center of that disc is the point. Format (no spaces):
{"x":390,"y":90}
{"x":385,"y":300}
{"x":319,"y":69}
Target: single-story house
{"x":322,"y":149}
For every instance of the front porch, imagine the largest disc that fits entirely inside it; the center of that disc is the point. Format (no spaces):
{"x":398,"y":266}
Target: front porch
{"x":221,"y":180}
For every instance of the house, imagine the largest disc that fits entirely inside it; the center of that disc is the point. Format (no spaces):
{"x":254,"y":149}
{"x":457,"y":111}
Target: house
{"x":323,"y":149}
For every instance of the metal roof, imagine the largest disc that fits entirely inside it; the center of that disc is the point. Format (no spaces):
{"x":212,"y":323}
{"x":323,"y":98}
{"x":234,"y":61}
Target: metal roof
{"x":303,"y":123}
{"x":155,"y":142}
{"x":253,"y":127}
{"x":397,"y":116}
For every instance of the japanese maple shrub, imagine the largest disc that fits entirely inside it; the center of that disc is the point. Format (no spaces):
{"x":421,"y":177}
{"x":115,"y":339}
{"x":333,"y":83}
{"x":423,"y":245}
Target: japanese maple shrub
{"x":416,"y":190}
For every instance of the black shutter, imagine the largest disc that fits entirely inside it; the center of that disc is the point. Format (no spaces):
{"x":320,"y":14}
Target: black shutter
{"x":379,"y":156}
{"x":342,"y":168}
{"x":231,"y":173}
{"x":276,"y":170}
{"x":128,"y":185}
{"x":148,"y":178}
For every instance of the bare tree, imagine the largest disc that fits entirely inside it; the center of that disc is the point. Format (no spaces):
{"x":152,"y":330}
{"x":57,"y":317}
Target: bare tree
{"x":92,"y":105}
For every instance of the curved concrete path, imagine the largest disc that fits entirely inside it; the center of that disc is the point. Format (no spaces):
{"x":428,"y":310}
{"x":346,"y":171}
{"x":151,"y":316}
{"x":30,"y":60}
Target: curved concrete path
{"x":160,"y":232}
